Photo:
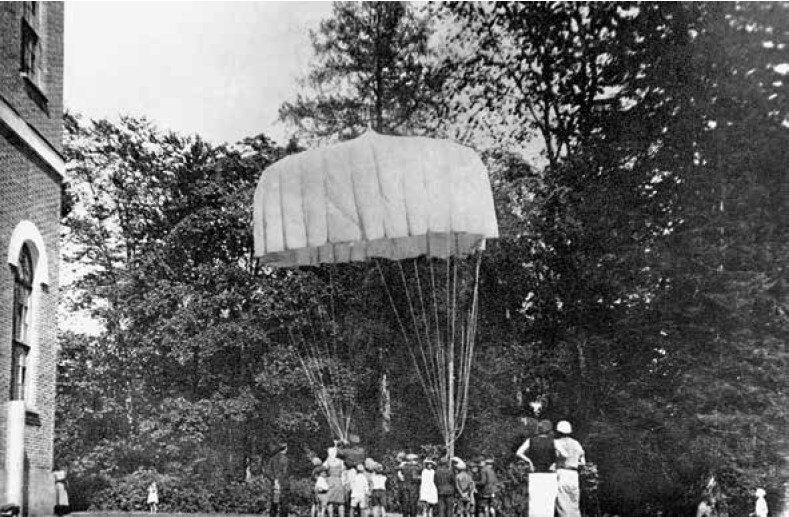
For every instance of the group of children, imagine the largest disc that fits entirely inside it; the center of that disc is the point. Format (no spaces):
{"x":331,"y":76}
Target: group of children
{"x":445,"y":488}
{"x":365,"y":485}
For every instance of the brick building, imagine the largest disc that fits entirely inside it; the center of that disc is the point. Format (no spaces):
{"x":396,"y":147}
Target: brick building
{"x":31,"y":168}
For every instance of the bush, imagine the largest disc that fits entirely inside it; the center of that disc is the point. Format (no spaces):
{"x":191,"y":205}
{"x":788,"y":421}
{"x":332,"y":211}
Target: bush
{"x":514,"y":489}
{"x":187,"y":494}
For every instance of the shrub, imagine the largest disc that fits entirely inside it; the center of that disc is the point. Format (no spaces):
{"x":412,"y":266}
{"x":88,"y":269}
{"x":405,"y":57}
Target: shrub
{"x":514,"y":489}
{"x":188,"y":494}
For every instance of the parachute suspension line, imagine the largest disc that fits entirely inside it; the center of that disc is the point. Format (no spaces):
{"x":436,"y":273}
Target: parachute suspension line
{"x":315,"y":380}
{"x":428,"y":374}
{"x":392,"y":302}
{"x":442,"y":364}
{"x":453,"y":380}
{"x":468,"y":353}
{"x":439,"y":355}
{"x":430,"y":354}
{"x":318,"y":361}
{"x":319,"y":355}
{"x":348,"y":400}
{"x":406,"y":338}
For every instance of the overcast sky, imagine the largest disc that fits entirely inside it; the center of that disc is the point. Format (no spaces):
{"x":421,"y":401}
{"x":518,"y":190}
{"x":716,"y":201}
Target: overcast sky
{"x":218,"y":69}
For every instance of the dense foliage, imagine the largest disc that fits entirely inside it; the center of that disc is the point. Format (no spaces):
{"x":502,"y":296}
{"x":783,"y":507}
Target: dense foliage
{"x":372,"y":70}
{"x":639,"y":288}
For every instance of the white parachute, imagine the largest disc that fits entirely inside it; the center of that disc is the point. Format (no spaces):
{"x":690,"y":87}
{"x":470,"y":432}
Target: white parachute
{"x":420,"y":207}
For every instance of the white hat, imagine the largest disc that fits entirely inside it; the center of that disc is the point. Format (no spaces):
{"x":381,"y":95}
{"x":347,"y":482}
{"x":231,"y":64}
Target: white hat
{"x":564,"y":427}
{"x":760,"y":492}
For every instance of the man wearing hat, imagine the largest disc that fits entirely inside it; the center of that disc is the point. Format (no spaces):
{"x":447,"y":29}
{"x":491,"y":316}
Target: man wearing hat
{"x":540,"y":454}
{"x":279,"y":474}
{"x":569,"y":457}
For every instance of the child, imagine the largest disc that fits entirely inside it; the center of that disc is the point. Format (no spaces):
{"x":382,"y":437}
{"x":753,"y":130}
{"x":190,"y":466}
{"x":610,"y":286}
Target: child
{"x":322,"y":491}
{"x":428,"y":493}
{"x":761,"y":504}
{"x":276,"y":498}
{"x":378,"y":485}
{"x":360,"y":491}
{"x":464,"y":487}
{"x":153,"y":497}
{"x":487,"y":488}
{"x":317,"y":466}
{"x":474,"y":467}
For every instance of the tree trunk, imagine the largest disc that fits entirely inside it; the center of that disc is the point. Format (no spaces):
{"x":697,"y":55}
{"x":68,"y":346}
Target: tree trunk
{"x":386,"y":405}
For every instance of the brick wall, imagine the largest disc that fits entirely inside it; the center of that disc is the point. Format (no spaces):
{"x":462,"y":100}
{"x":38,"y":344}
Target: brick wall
{"x":14,"y":88}
{"x":30,"y":190}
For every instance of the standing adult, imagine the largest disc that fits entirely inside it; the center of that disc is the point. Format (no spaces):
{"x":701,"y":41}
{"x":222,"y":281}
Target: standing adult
{"x":336,"y":495}
{"x":410,"y":478}
{"x":445,"y":486}
{"x":569,"y":456}
{"x":279,"y":473}
{"x":540,"y":454}
{"x":61,"y":494}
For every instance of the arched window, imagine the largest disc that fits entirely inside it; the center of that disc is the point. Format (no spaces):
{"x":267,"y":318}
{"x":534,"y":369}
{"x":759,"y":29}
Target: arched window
{"x":23,"y":289}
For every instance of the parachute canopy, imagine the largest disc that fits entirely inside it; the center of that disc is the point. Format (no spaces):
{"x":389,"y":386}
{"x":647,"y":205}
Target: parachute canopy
{"x":391,"y":197}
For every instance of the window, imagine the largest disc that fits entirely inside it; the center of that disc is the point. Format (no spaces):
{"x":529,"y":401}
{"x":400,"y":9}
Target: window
{"x":23,"y":289}
{"x":31,"y":65}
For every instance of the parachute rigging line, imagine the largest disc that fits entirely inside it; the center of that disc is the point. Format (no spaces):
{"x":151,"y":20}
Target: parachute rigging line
{"x":442,"y":358}
{"x":325,"y":366}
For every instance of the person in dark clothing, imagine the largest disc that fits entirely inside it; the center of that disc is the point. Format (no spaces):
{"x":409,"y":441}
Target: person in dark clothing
{"x":445,"y":484}
{"x":409,"y":475}
{"x":486,"y":490}
{"x":279,"y":474}
{"x":540,"y":453}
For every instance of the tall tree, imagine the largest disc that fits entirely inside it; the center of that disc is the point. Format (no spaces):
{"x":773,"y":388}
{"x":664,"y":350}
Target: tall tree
{"x":647,"y":259}
{"x":161,"y":229}
{"x":372,"y":70}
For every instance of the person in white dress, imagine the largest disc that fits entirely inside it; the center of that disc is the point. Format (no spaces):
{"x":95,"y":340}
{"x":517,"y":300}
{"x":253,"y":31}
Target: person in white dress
{"x":428,"y":492}
{"x":569,"y":457}
{"x":761,"y":505}
{"x":153,"y":497}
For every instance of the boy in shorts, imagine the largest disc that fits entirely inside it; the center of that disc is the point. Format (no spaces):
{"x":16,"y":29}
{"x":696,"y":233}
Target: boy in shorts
{"x":360,"y":492}
{"x":464,"y":488}
{"x":378,"y":485}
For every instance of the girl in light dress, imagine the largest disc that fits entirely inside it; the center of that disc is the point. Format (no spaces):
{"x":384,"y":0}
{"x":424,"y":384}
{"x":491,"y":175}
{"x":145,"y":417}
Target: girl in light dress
{"x":761,"y":505}
{"x":428,"y":492}
{"x":153,"y":497}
